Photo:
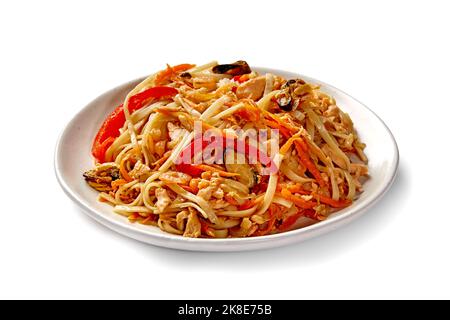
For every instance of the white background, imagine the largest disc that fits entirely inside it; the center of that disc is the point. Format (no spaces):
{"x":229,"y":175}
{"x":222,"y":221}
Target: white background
{"x":56,"y":57}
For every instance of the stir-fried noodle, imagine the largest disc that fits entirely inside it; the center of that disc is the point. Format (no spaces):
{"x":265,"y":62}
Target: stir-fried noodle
{"x":221,"y":151}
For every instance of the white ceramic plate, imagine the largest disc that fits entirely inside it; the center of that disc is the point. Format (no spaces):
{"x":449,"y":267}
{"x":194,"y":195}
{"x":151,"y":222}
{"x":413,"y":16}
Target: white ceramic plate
{"x":73,"y":157}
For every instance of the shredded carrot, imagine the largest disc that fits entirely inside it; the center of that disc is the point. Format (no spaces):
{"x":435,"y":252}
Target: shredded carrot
{"x":270,"y":223}
{"x":117,"y":183}
{"x":123,"y":171}
{"x":299,"y":201}
{"x":285,"y":148}
{"x":306,"y":161}
{"x":302,"y":148}
{"x":303,"y":145}
{"x":323,"y":199}
{"x":273,"y":124}
{"x":167,"y":73}
{"x":164,"y":158}
{"x":280,"y":122}
{"x":151,"y":144}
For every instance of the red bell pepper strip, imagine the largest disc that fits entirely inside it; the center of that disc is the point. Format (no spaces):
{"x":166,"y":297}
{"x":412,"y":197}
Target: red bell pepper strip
{"x":196,"y":171}
{"x":116,"y":119}
{"x":138,"y":100}
{"x":100,"y":150}
{"x":109,"y":129}
{"x":189,"y":151}
{"x":189,"y":169}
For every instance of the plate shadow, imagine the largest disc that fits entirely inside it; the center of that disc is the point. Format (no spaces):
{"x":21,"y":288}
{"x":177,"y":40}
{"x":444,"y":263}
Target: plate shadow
{"x":314,"y":251}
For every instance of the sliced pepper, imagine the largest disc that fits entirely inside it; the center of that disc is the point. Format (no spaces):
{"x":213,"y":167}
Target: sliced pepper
{"x":196,"y":171}
{"x":99,"y":152}
{"x":116,"y":119}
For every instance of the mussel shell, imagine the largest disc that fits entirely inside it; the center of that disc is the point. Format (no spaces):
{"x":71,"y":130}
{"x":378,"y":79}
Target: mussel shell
{"x":235,"y":69}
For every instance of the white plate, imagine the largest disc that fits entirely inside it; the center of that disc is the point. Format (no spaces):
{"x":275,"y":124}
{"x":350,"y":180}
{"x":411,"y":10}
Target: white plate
{"x":73,"y":157}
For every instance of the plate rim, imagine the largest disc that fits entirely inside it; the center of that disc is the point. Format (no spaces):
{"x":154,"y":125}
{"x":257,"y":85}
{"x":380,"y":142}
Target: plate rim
{"x":233,"y":244}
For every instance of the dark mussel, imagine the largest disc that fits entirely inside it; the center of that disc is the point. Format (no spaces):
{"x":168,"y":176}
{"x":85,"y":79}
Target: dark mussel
{"x":235,"y":69}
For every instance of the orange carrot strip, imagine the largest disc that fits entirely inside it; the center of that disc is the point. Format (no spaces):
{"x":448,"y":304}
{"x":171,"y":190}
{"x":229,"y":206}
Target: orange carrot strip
{"x":123,"y":171}
{"x":285,"y":148}
{"x":118,"y":183}
{"x":270,"y":223}
{"x":290,"y":128}
{"x":273,"y":124}
{"x":303,"y":145}
{"x":170,"y":71}
{"x":323,"y":199}
{"x":164,"y":158}
{"x":302,"y":203}
{"x":306,"y":161}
